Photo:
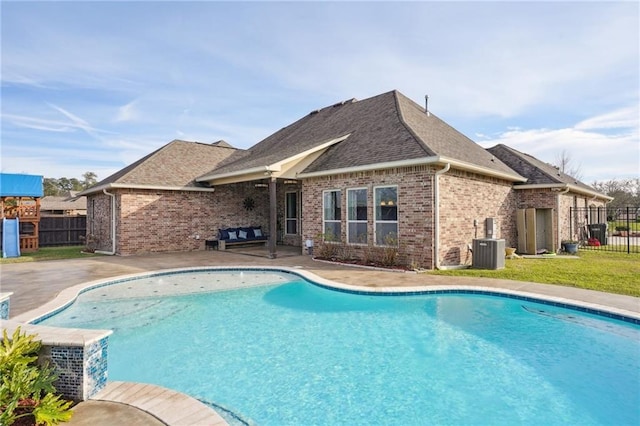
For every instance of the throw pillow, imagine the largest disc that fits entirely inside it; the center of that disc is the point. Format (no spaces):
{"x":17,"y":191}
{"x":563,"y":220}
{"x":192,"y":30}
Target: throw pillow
{"x":242,"y":234}
{"x":257,"y":232}
{"x":233,"y":235}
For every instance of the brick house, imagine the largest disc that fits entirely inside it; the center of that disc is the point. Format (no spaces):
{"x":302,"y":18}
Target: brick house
{"x":378,"y":172}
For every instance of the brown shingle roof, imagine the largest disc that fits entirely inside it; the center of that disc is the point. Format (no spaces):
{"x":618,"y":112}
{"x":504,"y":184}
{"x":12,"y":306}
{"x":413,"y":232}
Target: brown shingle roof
{"x":51,"y":202}
{"x":384,"y":128}
{"x":176,"y":164}
{"x":537,"y":172}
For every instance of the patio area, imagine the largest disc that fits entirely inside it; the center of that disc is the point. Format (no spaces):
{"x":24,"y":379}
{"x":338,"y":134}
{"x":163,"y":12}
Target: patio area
{"x":36,"y":283}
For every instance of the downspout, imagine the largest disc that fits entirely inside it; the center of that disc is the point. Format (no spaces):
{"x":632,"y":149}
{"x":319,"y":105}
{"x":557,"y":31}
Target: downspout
{"x":558,"y":213}
{"x":436,"y":219}
{"x":113,"y":225}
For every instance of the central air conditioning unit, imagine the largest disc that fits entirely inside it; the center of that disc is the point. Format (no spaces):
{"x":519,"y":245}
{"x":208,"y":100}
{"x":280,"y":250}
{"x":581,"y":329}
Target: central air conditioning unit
{"x":488,"y":253}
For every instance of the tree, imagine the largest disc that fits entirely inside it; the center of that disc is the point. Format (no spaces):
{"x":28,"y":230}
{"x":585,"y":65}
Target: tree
{"x":625,"y":192}
{"x":564,"y":163}
{"x":90,"y":179}
{"x":63,"y":186}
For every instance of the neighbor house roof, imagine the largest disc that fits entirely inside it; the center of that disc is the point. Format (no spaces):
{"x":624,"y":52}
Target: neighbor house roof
{"x":173,"y":166}
{"x":387,"y":130}
{"x":540,"y":174}
{"x":66,"y":202}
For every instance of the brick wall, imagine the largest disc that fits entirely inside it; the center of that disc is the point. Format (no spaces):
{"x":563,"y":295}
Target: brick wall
{"x":415,"y":208}
{"x":560,"y":203}
{"x":161,"y":221}
{"x":465,"y":197}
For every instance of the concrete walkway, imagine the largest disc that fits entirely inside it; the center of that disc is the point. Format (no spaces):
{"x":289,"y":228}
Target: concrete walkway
{"x":36,"y":283}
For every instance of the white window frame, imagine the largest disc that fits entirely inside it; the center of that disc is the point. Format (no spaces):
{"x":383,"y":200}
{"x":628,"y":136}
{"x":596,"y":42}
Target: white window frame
{"x":286,"y":213}
{"x":325,"y":220}
{"x":376,"y":220}
{"x":356,"y":221}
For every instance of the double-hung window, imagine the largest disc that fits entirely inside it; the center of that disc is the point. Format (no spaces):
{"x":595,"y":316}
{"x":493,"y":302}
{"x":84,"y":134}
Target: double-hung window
{"x":357,"y":216}
{"x":332,"y":215}
{"x":291,"y":217}
{"x":386,"y":215}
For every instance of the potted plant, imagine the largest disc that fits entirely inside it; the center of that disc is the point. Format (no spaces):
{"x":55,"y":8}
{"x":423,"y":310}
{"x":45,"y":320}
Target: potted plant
{"x":570,"y":246}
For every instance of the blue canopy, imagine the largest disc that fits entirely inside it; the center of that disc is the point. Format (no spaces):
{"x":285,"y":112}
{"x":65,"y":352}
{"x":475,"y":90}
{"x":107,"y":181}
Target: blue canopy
{"x":14,"y":185}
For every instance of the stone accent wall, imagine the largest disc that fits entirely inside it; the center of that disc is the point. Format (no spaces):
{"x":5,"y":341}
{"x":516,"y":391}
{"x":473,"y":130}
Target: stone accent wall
{"x":5,"y":305}
{"x":465,"y":197}
{"x":99,"y":220}
{"x":415,"y":208}
{"x":81,"y":370}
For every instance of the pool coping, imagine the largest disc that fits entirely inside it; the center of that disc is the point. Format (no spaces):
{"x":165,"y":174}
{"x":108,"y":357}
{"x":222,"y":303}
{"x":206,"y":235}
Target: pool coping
{"x":68,"y":295}
{"x":141,"y":396}
{"x":168,"y":406}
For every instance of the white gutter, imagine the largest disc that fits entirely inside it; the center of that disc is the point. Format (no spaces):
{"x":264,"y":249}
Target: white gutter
{"x":238,"y":173}
{"x":113,"y":225}
{"x":366,"y":167}
{"x":562,"y":186}
{"x":416,"y":162}
{"x":436,"y":219}
{"x":137,"y":186}
{"x":483,"y":170}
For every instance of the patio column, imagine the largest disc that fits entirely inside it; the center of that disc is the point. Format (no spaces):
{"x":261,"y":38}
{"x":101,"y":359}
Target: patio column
{"x":273,"y":218}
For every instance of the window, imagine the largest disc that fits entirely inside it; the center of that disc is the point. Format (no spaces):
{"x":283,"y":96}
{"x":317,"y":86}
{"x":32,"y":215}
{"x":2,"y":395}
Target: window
{"x":386,"y":215}
{"x":357,"y":216}
{"x":332,"y":215}
{"x":291,"y":217}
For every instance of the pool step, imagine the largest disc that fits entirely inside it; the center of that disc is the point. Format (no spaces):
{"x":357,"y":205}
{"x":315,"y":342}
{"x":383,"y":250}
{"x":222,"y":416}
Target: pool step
{"x":170,"y":407}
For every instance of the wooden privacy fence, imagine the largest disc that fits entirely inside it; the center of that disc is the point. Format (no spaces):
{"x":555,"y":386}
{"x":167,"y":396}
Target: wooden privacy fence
{"x":62,"y":230}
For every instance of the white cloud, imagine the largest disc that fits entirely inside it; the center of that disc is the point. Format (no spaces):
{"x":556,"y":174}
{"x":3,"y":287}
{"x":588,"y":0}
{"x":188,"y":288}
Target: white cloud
{"x":240,"y":71}
{"x":600,"y":155}
{"x":127,"y":112}
{"x":621,"y":118}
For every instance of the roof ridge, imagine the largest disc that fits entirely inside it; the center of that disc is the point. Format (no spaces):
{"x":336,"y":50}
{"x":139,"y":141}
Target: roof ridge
{"x":396,"y":96}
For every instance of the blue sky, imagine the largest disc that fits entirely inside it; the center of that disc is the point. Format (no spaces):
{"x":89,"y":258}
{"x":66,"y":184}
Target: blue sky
{"x":94,"y":86}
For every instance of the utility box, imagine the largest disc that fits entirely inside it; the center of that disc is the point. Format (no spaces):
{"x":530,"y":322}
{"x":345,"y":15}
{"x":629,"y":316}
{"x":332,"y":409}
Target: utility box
{"x":488,"y":253}
{"x":491,"y":226}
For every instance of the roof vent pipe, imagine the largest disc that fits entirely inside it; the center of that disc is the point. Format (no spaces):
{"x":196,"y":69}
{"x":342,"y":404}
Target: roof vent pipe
{"x":426,"y":104}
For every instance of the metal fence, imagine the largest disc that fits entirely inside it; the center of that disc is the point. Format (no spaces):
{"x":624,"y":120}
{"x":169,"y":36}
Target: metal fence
{"x":602,"y":228}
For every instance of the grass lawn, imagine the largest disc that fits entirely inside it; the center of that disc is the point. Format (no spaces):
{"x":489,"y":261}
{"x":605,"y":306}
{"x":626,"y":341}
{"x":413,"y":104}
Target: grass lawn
{"x":49,"y":253}
{"x":594,"y":270}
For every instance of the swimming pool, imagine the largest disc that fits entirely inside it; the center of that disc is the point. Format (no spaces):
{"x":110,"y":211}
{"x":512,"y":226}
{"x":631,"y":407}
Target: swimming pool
{"x":280,"y":350}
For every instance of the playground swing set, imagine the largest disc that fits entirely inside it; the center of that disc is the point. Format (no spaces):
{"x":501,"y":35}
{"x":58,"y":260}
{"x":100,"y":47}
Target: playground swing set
{"x":20,"y":206}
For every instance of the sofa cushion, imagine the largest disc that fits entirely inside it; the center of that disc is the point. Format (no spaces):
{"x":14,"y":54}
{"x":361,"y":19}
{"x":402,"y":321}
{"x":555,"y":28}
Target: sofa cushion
{"x":223,"y":234}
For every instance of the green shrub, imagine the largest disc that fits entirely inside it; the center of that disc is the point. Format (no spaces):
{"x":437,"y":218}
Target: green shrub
{"x":26,"y":389}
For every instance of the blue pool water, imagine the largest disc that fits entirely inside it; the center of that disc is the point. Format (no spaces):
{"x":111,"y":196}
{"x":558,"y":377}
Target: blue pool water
{"x":287,"y":352}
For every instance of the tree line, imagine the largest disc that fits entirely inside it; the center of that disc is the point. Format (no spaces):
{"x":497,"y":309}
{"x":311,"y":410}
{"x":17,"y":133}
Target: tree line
{"x":60,"y":187}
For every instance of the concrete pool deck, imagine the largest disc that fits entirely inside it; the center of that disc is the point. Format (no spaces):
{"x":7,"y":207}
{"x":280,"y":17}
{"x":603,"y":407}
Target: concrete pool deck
{"x":35,"y":283}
